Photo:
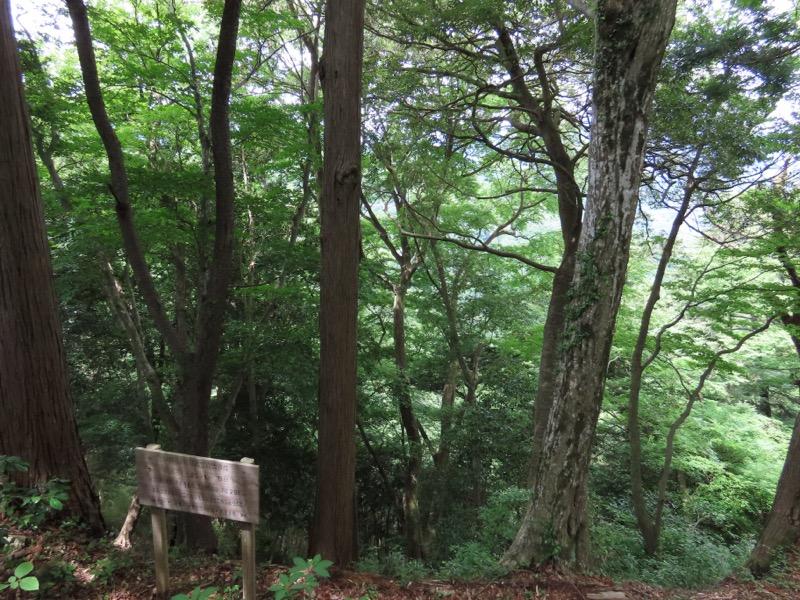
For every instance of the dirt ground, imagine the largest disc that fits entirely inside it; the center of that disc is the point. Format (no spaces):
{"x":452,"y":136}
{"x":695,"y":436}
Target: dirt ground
{"x":71,"y":566}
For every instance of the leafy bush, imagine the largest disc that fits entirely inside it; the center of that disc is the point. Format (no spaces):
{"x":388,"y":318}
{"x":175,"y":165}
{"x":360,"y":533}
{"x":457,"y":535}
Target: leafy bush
{"x":688,"y":558}
{"x":394,"y":565}
{"x":472,"y":561}
{"x":197,"y":594}
{"x":501,"y":517}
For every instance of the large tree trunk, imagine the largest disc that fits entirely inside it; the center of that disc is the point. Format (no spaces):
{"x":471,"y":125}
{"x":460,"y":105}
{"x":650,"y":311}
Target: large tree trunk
{"x":540,"y":109}
{"x":630,"y":40}
{"x":333,"y":529}
{"x":37,"y":420}
{"x":783,"y":524}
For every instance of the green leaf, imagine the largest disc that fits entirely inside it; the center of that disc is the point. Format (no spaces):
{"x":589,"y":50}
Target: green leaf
{"x":207,"y":593}
{"x":29,"y":584}
{"x":322,"y":571}
{"x":56,"y":504}
{"x":23,"y":569}
{"x":321,"y":568}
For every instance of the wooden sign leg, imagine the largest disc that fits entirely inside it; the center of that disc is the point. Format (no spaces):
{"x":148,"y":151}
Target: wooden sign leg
{"x":249,"y":560}
{"x":160,"y":549}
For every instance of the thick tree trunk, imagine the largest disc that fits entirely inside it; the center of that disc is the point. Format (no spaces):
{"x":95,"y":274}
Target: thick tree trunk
{"x":539,"y":108}
{"x":783,"y":524}
{"x":37,"y":420}
{"x":333,"y":529}
{"x":630,"y":40}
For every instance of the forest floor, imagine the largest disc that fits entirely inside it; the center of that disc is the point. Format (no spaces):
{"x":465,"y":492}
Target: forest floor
{"x":71,"y":566}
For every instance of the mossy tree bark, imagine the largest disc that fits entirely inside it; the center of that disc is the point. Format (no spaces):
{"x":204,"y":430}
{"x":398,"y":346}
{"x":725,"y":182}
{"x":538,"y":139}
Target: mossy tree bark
{"x":630,"y":38}
{"x":37,"y":420}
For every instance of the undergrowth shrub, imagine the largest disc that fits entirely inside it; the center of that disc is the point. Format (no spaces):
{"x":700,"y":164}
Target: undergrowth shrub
{"x":472,"y":561}
{"x":688,"y":558}
{"x":29,"y":507}
{"x":394,"y":565}
{"x":501,"y":517}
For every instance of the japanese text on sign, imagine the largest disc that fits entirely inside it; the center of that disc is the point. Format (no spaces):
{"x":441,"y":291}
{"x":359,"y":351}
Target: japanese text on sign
{"x":205,"y":486}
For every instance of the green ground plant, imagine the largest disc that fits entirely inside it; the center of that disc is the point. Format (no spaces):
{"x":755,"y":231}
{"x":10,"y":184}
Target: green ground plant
{"x":29,"y":507}
{"x":197,"y":594}
{"x":21,"y":579}
{"x":302,"y":579}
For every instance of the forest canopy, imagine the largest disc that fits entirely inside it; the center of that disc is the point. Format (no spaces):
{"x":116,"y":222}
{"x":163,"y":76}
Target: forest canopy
{"x":573,"y":231}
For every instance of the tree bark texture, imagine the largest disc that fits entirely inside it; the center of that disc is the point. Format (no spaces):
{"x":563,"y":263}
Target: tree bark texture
{"x":123,"y":539}
{"x":783,"y":523}
{"x":412,"y":523}
{"x":540,"y":109}
{"x":630,"y":38}
{"x":37,"y":420}
{"x":333,"y":528}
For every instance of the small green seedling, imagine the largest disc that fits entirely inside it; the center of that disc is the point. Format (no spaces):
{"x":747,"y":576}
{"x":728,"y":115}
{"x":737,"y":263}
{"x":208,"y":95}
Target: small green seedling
{"x":21,"y":580}
{"x":197,"y":594}
{"x":301,"y":580}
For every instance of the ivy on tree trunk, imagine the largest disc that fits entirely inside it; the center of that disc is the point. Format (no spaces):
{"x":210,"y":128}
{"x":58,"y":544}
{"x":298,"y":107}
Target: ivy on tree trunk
{"x":630,"y":38}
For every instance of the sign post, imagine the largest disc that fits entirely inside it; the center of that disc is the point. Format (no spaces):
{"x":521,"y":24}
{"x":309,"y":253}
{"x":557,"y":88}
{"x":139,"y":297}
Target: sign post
{"x":158,"y":517}
{"x":218,"y":488}
{"x":249,"y":554}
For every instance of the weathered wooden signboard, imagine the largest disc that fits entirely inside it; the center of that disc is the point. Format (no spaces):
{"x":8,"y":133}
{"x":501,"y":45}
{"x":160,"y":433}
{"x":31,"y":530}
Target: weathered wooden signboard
{"x":218,"y":488}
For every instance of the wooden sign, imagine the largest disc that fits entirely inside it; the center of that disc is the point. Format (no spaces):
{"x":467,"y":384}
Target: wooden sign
{"x":206,"y":486}
{"x":218,"y":488}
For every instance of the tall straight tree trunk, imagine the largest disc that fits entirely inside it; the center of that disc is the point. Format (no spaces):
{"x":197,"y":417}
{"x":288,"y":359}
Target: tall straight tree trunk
{"x":333,"y":528}
{"x":412,"y":523}
{"x":630,"y":38}
{"x":37,"y":420}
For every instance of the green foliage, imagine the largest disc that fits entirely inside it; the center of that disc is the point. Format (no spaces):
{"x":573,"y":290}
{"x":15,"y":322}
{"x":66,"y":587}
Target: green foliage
{"x":106,"y":569}
{"x":689,"y":558}
{"x":302,"y":578}
{"x":29,"y":507}
{"x":427,"y":108}
{"x":472,"y":561}
{"x":501,"y":518}
{"x":21,"y":579}
{"x":54,"y":574}
{"x":394,"y":565}
{"x":197,"y":594}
